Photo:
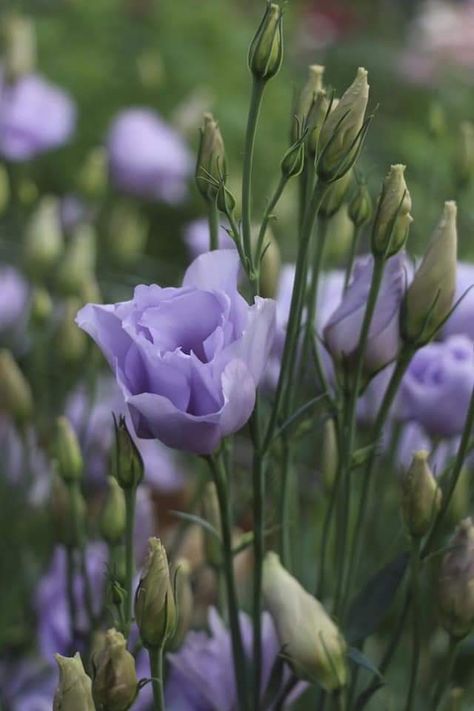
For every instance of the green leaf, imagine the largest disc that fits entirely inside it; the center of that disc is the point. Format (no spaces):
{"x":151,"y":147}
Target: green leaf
{"x":359,"y":658}
{"x":372,"y":603}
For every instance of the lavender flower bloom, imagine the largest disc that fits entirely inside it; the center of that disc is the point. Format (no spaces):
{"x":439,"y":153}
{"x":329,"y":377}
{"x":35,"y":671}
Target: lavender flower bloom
{"x":14,"y":303}
{"x":147,"y":157}
{"x":188,"y":360}
{"x":201,"y":674}
{"x":196,"y":237}
{"x":35,"y":116}
{"x":27,"y":685}
{"x":437,"y":386}
{"x":462,"y":318}
{"x":342,"y":332}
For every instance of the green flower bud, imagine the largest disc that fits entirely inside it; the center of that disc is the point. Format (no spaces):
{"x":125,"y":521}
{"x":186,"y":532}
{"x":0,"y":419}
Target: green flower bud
{"x":15,"y":393}
{"x":270,"y":266}
{"x":430,"y":295}
{"x":335,"y":195}
{"x":316,"y":117}
{"x":43,"y":239}
{"x":314,"y":84}
{"x":392,"y":218}
{"x":464,"y":167}
{"x":70,"y":341}
{"x":67,"y":451}
{"x":41,"y":306}
{"x":421,"y":496}
{"x":292,"y":163}
{"x":74,"y":691}
{"x":78,"y":262}
{"x":155,"y":607}
{"x":184,"y":604}
{"x":211,"y":513}
{"x":329,"y":454}
{"x":313,"y":644}
{"x":436,"y":120}
{"x":92,"y":179}
{"x":19,"y":57}
{"x":266,"y":50}
{"x":113,"y":518}
{"x":68,"y":512}
{"x":225,"y":200}
{"x":456,"y":583}
{"x":126,"y":233}
{"x":115,"y":683}
{"x":211,"y":164}
{"x":360,"y":207}
{"x":129,"y":465}
{"x":342,"y":132}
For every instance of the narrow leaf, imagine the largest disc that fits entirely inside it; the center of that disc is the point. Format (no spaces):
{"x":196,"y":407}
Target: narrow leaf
{"x":192,"y":518}
{"x":361,"y":660}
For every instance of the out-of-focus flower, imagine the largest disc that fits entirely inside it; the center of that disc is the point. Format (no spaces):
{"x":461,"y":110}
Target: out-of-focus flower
{"x":27,"y":685}
{"x":461,"y":320}
{"x":35,"y":117}
{"x":147,"y":157}
{"x":73,"y":212}
{"x":201,"y":674}
{"x":23,"y":462}
{"x":14,"y":304}
{"x":437,"y":386}
{"x":188,"y":360}
{"x":196,"y":238}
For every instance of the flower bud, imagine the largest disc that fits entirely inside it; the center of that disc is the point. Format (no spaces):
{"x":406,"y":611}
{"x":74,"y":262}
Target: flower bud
{"x":313,"y":644}
{"x":421,"y":496}
{"x":19,"y":56}
{"x":67,"y":451}
{"x":465,"y":155}
{"x":270,"y":266}
{"x":335,"y":195}
{"x":115,"y":683}
{"x":41,"y":306}
{"x":129,"y":465}
{"x":360,"y":206}
{"x":74,"y":691}
{"x":392,"y":218}
{"x":43,"y":239}
{"x":430,"y":295}
{"x":225,"y":200}
{"x":292,"y":163}
{"x":71,"y":342}
{"x":314,"y":84}
{"x":436,"y":120}
{"x":329,"y":454}
{"x":15,"y":393}
{"x":78,"y":262}
{"x":266,"y":50}
{"x":342,"y":132}
{"x":113,"y":518}
{"x":316,"y":117}
{"x":68,"y":511}
{"x":155,"y":608}
{"x":211,"y":514}
{"x":211,"y":165}
{"x":184,"y":603}
{"x":456,"y":583}
{"x":126,"y":233}
{"x":92,"y":178}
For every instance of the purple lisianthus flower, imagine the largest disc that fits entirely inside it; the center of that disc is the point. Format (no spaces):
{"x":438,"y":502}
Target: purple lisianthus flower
{"x":196,"y":237}
{"x":201,"y":676}
{"x":27,"y":685}
{"x":437,"y":387}
{"x":35,"y":116}
{"x":188,"y":360}
{"x":147,"y":157}
{"x":342,"y":331}
{"x":462,"y":318}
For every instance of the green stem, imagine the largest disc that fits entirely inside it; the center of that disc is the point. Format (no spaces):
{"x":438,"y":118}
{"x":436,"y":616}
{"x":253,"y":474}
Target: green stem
{"x":130,"y":499}
{"x":352,"y":255}
{"x":213,"y":225}
{"x":252,"y":120}
{"x":416,"y":653}
{"x":70,"y":592}
{"x":446,"y":676}
{"x":339,"y":700}
{"x":285,"y":505}
{"x":156,"y":668}
{"x":266,"y":217}
{"x":258,"y":552}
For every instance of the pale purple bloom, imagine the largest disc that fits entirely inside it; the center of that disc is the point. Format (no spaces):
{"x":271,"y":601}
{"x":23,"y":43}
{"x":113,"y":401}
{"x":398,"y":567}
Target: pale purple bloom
{"x":24,"y":464}
{"x":196,"y":237}
{"x":437,"y":386}
{"x":462,"y":318}
{"x":73,"y":212}
{"x":342,"y":331}
{"x":27,"y":685}
{"x":188,"y":360}
{"x":35,"y":116}
{"x":14,"y":303}
{"x":147,"y":157}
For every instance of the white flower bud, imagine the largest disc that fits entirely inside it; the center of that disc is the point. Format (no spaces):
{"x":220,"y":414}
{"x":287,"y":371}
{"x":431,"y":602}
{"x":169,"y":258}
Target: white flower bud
{"x":74,"y":691}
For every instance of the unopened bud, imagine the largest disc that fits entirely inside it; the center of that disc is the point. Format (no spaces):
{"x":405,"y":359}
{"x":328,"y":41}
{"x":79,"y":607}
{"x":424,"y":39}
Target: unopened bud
{"x":392,"y":218}
{"x":270,"y":266}
{"x":68,"y":511}
{"x":456,"y":583}
{"x":113,"y":518}
{"x":43,"y":239}
{"x":421,"y":496}
{"x":129,"y":464}
{"x":74,"y":691}
{"x":16,"y":399}
{"x":155,"y":608}
{"x":67,"y":451}
{"x":78,"y":262}
{"x":430,"y":295}
{"x":184,"y":603}
{"x":314,"y":83}
{"x":464,"y":168}
{"x":211,"y":165}
{"x":342,"y":133}
{"x":329,"y":454}
{"x":436,"y":120}
{"x":19,"y":56}
{"x":335,"y":195}
{"x":126,"y":233}
{"x":314,"y":123}
{"x":70,"y":341}
{"x":225,"y":200}
{"x":311,"y":641}
{"x":115,"y":683}
{"x":92,"y":178}
{"x":292,"y":163}
{"x":266,"y":50}
{"x":41,"y":306}
{"x":360,"y":206}
{"x":211,"y":514}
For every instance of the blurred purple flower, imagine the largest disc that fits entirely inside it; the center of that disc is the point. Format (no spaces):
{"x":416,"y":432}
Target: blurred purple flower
{"x":201,"y":676}
{"x":14,"y":304}
{"x":73,"y":211}
{"x":24,"y":464}
{"x":413,"y":438}
{"x":462,"y":319}
{"x":27,"y":685}
{"x":437,"y":386}
{"x":188,"y":360}
{"x":35,"y":116}
{"x":196,"y":237}
{"x":147,"y":157}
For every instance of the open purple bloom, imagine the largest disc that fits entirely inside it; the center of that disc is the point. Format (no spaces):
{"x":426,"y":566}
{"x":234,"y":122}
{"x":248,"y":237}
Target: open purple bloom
{"x":35,"y":116}
{"x":462,"y":318}
{"x":147,"y":157}
{"x":437,"y":386}
{"x":188,"y":360}
{"x":196,"y":237}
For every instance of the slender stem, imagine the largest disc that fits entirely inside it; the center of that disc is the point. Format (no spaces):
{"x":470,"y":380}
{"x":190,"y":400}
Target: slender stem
{"x":252,"y":120}
{"x":156,"y":668}
{"x":266,"y":217}
{"x":259,"y":552}
{"x":213,"y":225}
{"x":416,"y":611}
{"x":339,"y":700}
{"x":285,"y":503}
{"x":70,"y":593}
{"x":352,"y":255}
{"x":325,"y":535}
{"x":446,"y":676}
{"x":130,"y":499}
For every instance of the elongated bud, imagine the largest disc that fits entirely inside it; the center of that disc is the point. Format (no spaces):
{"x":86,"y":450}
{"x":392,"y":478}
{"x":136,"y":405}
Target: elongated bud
{"x":464,"y":168}
{"x":211,"y":164}
{"x":266,"y":50}
{"x":43,"y":239}
{"x":225,"y":200}
{"x":329,"y":454}
{"x":68,"y":511}
{"x":92,"y":179}
{"x":292,"y":163}
{"x":314,"y":83}
{"x":360,"y":206}
{"x":421,"y":496}
{"x":430,"y":295}
{"x":41,"y":306}
{"x":67,"y":451}
{"x":126,"y":233}
{"x":16,"y":399}
{"x":112,"y":521}
{"x":314,"y":123}
{"x":70,"y":341}
{"x":342,"y":133}
{"x":313,"y":644}
{"x":392,"y":218}
{"x":115,"y":683}
{"x":155,"y":608}
{"x":20,"y":46}
{"x":129,"y":465}
{"x":335,"y":195}
{"x":78,"y":262}
{"x":270,"y":266}
{"x":74,"y":691}
{"x":211,"y":514}
{"x":184,"y":603}
{"x":456,"y":583}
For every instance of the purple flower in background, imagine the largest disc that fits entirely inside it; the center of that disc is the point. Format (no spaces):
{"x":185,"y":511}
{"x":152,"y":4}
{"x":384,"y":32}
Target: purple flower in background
{"x":14,"y":303}
{"x":437,"y":386}
{"x":35,"y":116}
{"x":188,"y":360}
{"x":196,"y":237}
{"x":201,"y":676}
{"x":462,"y":319}
{"x":23,"y":463}
{"x":73,"y":211}
{"x":147,"y":157}
{"x":27,"y":685}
